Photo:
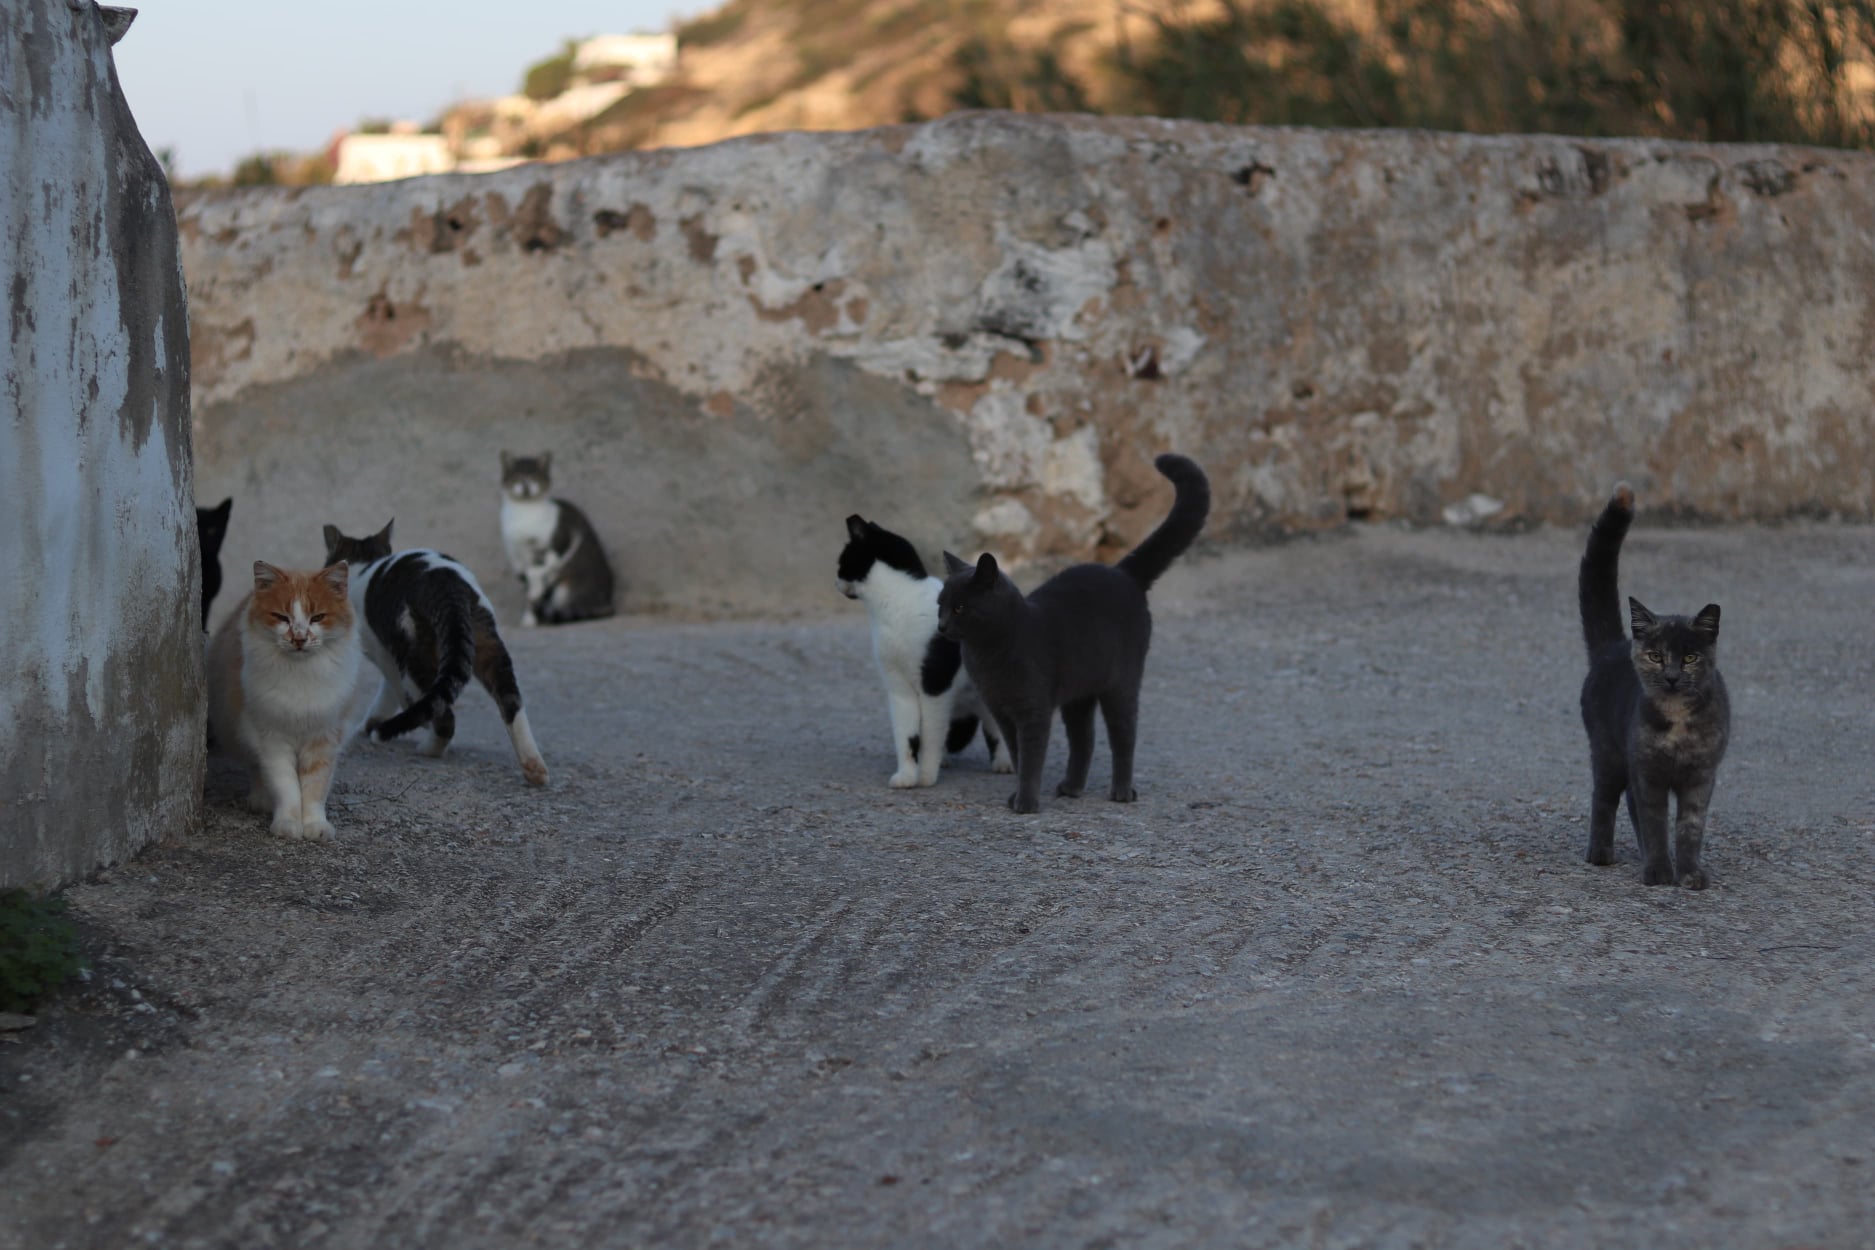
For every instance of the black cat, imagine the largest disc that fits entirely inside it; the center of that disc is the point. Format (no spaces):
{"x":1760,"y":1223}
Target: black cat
{"x":429,"y":628}
{"x":1078,"y":641}
{"x":211,"y":526}
{"x":1655,"y":708}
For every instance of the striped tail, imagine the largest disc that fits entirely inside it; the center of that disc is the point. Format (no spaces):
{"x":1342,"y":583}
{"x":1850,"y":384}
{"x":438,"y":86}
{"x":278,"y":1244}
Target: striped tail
{"x":1597,"y":590}
{"x":1191,"y":505}
{"x":455,"y":664}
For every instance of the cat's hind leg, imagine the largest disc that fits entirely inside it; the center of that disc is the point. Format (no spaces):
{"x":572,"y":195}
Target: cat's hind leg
{"x":442,"y":729}
{"x":1002,"y":759}
{"x":1604,"y":809}
{"x":1120,"y":709}
{"x":495,"y":671}
{"x":315,"y":763}
{"x":1078,"y":719}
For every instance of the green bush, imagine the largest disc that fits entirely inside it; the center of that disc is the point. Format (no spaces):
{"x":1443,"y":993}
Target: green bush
{"x":1719,"y":70}
{"x":711,"y":27}
{"x":546,"y":79}
{"x":38,"y":948}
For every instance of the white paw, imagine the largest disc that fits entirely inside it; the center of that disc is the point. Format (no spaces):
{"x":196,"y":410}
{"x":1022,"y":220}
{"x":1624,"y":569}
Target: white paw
{"x":435,"y":747}
{"x":317,"y":830}
{"x":1002,"y":764}
{"x":931,"y":780}
{"x":535,"y":770}
{"x":285,"y":827}
{"x":527,"y":619}
{"x":904,"y":779}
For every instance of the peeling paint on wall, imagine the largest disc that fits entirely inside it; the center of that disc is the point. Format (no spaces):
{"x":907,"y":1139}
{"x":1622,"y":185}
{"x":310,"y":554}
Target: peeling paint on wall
{"x":1339,"y":325}
{"x":101,"y":738}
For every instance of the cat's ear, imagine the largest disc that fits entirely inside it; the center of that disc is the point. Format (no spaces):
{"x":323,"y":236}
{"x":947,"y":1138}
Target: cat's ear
{"x":856,"y":527}
{"x":337,"y":576}
{"x":1707,"y":622}
{"x":385,"y":533}
{"x":952,"y":565}
{"x":333,"y":538}
{"x":221,"y":510}
{"x":266,"y":576}
{"x":986,"y":572}
{"x":1638,"y":616}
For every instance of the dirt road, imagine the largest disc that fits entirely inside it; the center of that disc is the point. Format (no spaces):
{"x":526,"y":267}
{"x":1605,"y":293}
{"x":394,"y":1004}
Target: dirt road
{"x":1339,"y":979}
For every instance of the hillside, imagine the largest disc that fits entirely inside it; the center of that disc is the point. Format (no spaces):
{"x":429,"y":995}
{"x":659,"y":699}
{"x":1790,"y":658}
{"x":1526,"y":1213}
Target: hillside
{"x":1722,"y":70}
{"x":763,"y":65}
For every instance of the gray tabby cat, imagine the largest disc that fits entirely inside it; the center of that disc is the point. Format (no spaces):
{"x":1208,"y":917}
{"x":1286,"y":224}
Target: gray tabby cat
{"x":552,"y":547}
{"x":1655,"y":709}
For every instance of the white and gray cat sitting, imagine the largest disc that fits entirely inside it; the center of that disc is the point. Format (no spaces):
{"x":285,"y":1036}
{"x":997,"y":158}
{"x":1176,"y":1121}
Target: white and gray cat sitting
{"x":552,"y":546}
{"x":927,"y":691}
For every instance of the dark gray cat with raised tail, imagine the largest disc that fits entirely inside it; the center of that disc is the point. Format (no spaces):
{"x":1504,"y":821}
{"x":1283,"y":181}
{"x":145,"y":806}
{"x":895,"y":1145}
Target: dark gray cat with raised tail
{"x":1655,"y":709}
{"x":1077,"y":642}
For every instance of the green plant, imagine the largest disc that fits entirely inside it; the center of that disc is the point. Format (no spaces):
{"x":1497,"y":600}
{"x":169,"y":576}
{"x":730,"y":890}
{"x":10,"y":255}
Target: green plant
{"x":546,"y":79}
{"x":256,"y":171}
{"x":1720,"y":70}
{"x":997,"y":74}
{"x":38,"y":948}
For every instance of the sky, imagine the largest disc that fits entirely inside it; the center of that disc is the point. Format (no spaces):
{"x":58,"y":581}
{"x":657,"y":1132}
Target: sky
{"x":215,"y":80}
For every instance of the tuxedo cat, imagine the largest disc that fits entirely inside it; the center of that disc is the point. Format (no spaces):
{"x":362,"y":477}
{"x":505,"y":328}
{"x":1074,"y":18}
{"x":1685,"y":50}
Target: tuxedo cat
{"x":211,"y":526}
{"x":429,"y":624}
{"x":927,"y":693}
{"x":552,"y":546}
{"x":1656,"y":712}
{"x":1078,"y":641}
{"x":287,"y":688}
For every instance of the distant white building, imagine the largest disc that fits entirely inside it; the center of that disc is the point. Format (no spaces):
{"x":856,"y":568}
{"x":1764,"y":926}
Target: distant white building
{"x":382,"y":158}
{"x":640,"y":60}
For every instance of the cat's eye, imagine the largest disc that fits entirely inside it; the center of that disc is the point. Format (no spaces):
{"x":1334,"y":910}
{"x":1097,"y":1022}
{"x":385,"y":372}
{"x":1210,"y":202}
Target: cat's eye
{"x":1691,"y":659}
{"x":957,"y":609}
{"x":1653,"y":657}
{"x":317,"y":617}
{"x":283,"y":618}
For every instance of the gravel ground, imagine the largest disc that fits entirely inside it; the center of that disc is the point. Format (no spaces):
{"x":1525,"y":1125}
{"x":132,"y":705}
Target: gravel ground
{"x":1340,"y":978}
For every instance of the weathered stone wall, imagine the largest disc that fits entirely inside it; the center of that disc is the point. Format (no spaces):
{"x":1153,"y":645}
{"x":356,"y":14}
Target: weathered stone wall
{"x":101,"y":719}
{"x":982,"y":329}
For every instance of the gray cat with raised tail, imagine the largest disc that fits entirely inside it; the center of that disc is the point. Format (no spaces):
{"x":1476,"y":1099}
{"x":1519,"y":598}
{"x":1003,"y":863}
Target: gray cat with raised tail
{"x":1078,"y":642}
{"x":1656,"y":712}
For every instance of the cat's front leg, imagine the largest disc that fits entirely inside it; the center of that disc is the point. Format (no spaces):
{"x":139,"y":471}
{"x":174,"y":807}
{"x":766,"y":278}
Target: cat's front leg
{"x":315,"y":764}
{"x":280,"y":772}
{"x":1650,"y":829}
{"x":903,"y":705}
{"x":1689,"y":833}
{"x":1031,"y":754}
{"x":934,"y":718}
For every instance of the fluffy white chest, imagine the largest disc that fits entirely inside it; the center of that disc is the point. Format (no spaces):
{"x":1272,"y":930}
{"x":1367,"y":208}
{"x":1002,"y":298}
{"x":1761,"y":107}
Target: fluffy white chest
{"x":527,"y":529}
{"x":904,"y":616}
{"x":299,"y":695}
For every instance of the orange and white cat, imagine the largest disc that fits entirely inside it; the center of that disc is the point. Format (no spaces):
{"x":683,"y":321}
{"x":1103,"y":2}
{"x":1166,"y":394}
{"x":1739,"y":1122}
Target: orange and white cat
{"x":287,"y":689}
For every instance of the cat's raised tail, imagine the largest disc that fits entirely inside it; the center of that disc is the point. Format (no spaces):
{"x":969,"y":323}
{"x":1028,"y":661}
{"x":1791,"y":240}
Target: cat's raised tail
{"x":1596,"y":582}
{"x":455,"y":664}
{"x":1148,"y":561}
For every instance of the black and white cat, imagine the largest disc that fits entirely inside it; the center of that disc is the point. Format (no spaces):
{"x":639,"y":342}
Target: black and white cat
{"x":211,"y":526}
{"x":552,"y":546}
{"x":429,"y":628}
{"x":1077,"y":642}
{"x":1656,"y":710}
{"x":927,"y":691}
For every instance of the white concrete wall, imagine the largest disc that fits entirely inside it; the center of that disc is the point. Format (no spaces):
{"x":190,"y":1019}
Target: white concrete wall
{"x":101,"y":716}
{"x":983,"y":328}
